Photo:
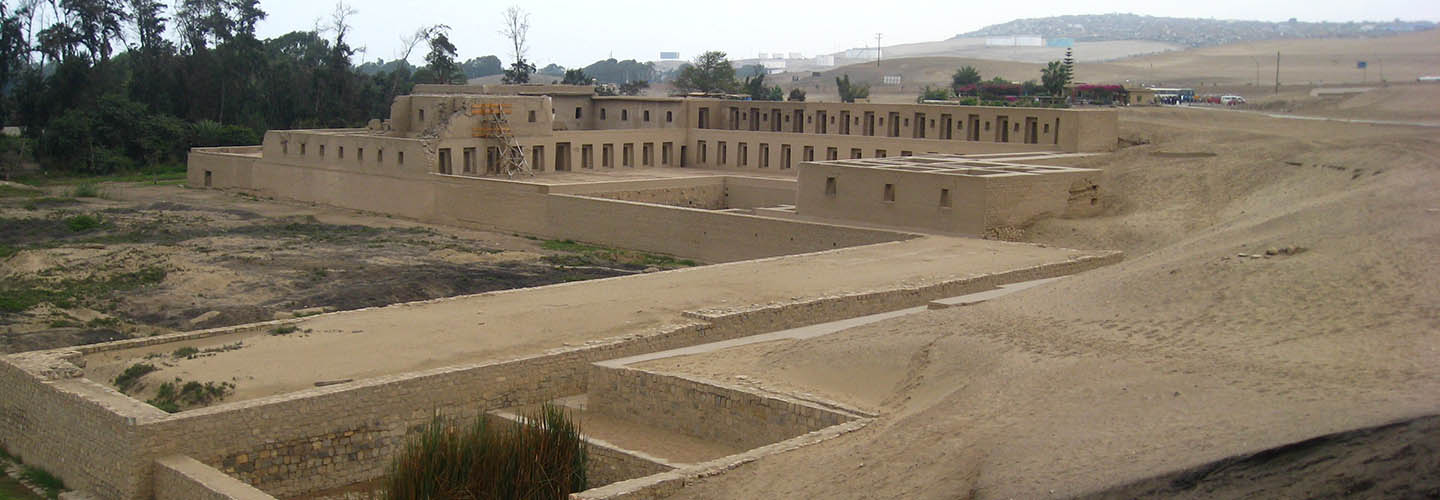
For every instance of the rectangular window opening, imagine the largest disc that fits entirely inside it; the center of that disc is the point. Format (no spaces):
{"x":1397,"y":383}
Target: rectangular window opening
{"x":829,"y":186}
{"x":890,"y":192}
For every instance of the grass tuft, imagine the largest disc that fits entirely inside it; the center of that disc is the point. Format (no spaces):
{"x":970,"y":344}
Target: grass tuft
{"x":541,"y":456}
{"x":185,"y":352}
{"x":284,"y":330}
{"x":87,"y":190}
{"x":82,"y":223}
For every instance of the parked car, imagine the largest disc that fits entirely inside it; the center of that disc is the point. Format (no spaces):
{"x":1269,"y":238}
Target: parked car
{"x":1231,"y":100}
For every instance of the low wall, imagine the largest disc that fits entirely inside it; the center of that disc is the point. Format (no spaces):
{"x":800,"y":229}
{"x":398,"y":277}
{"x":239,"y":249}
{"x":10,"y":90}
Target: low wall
{"x":184,"y":478}
{"x":541,"y":210}
{"x":225,"y":169}
{"x":709,"y":196}
{"x":105,"y":443}
{"x":73,"y":427}
{"x":753,"y":192}
{"x":704,"y":410}
{"x":705,"y":235}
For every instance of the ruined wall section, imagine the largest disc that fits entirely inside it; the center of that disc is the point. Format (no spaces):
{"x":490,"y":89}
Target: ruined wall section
{"x":704,"y":410}
{"x":184,"y":478}
{"x":79,"y":430}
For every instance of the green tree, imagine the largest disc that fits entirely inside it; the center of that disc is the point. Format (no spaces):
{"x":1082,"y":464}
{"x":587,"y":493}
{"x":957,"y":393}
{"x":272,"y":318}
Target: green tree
{"x":441,"y":60}
{"x":755,"y":86}
{"x":966,"y":75}
{"x":482,"y":66}
{"x":710,"y":72}
{"x":1054,"y":77}
{"x":935,"y":94}
{"x":576,"y":77}
{"x":850,"y":92}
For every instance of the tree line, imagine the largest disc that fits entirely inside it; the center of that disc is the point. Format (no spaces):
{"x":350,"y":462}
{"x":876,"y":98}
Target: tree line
{"x":99,"y":86}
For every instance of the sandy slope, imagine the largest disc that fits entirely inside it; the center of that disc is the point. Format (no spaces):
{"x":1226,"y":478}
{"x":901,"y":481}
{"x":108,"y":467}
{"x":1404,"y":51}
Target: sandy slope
{"x":1182,"y":354}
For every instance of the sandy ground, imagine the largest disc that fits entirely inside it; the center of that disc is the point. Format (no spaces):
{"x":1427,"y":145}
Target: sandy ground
{"x":1183,"y":354}
{"x":517,"y":323}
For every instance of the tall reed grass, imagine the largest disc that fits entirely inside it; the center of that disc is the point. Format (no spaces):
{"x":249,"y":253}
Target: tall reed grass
{"x":542,"y":456}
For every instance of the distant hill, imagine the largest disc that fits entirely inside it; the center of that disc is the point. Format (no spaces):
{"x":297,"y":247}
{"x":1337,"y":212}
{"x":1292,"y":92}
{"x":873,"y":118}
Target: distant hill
{"x":1189,"y":32}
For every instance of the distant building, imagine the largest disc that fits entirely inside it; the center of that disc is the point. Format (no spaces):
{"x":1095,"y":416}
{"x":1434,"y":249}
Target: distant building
{"x":1060,"y":42}
{"x":669,"y":56}
{"x":892,"y":79}
{"x":823,"y":61}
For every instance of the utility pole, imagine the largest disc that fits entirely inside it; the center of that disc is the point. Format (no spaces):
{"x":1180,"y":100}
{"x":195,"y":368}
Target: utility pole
{"x":1277,"y":72}
{"x":877,"y":50}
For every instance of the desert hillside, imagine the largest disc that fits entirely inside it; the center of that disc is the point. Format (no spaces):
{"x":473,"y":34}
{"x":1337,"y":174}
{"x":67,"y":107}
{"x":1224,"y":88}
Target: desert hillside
{"x":1278,"y":290}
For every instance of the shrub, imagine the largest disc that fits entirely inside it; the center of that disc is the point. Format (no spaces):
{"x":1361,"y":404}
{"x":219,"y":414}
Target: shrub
{"x":81,"y":223}
{"x":130,"y":378}
{"x":284,"y":330}
{"x":185,"y":352}
{"x":541,"y":456}
{"x":86,"y":190}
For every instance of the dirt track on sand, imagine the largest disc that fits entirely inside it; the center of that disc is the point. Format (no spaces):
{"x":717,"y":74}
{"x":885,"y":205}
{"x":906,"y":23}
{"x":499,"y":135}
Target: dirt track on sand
{"x":1183,"y":354}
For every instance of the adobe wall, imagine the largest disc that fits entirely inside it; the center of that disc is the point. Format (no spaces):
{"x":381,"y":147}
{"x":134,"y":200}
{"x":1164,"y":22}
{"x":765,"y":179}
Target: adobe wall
{"x":707,"y":196}
{"x":753,"y":192}
{"x":70,"y":426}
{"x":859,"y":196}
{"x":184,"y":478}
{"x":1070,"y":130}
{"x":1018,"y":200}
{"x":705,"y":235}
{"x":226,"y":169}
{"x":704,"y":410}
{"x":751,"y":156}
{"x":710,"y":193}
{"x":617,"y":139}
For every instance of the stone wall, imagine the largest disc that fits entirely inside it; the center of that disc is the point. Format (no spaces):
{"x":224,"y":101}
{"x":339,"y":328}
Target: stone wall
{"x":706,"y":197}
{"x":106,"y":443}
{"x":705,"y":410}
{"x":77,"y":429}
{"x":184,"y":478}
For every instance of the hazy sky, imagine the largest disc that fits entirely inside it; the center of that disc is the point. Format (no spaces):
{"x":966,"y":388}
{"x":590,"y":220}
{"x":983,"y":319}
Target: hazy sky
{"x":581,"y":32}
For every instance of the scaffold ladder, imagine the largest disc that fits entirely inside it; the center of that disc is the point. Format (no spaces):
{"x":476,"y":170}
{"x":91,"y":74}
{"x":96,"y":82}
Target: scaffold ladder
{"x":496,"y":125}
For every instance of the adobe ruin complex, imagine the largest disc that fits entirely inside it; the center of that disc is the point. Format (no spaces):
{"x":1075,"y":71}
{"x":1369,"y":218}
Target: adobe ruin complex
{"x":884,"y":201}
